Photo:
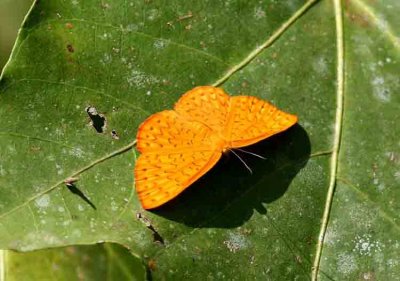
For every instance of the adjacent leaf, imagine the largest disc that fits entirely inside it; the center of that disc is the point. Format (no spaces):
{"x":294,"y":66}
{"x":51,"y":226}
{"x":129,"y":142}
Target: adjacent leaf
{"x":132,"y":59}
{"x":11,"y":14}
{"x":362,"y":239}
{"x":95,"y":262}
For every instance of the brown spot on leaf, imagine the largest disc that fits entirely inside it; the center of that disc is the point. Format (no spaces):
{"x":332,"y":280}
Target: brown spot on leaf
{"x":69,"y":25}
{"x":70,"y":48}
{"x":152,"y":264}
{"x":34,"y":148}
{"x":358,"y":19}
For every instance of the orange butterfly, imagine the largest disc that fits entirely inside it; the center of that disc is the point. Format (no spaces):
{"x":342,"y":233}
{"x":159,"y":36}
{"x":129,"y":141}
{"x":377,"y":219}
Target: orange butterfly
{"x":179,"y":146}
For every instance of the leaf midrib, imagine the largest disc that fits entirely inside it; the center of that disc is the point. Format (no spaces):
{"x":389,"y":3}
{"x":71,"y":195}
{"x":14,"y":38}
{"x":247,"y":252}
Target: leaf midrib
{"x":338,"y":10}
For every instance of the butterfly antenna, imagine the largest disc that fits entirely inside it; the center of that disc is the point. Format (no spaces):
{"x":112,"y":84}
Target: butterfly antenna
{"x":241,"y":160}
{"x":251,"y":153}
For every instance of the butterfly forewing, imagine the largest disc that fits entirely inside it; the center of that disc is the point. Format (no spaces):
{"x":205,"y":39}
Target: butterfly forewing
{"x":251,"y":120}
{"x":206,"y":104}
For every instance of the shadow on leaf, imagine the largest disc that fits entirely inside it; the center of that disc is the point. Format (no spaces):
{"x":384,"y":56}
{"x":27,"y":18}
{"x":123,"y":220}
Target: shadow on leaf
{"x":227,"y":195}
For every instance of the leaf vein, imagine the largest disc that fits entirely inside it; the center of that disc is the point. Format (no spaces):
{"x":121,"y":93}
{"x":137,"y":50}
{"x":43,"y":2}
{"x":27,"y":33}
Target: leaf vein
{"x":78,"y":172}
{"x":275,"y":35}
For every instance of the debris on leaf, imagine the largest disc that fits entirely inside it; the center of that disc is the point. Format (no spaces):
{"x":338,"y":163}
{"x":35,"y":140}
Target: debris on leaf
{"x":156,"y":236}
{"x":70,"y":181}
{"x":114,"y":135}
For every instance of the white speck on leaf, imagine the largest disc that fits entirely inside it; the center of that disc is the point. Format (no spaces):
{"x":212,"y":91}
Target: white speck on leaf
{"x":235,"y":242}
{"x":131,"y":27}
{"x":160,"y":43}
{"x":320,"y":65}
{"x":77,"y":152}
{"x":346,"y":263}
{"x":43,"y":201}
{"x":365,"y":246}
{"x":381,"y":187}
{"x":106,"y":59}
{"x":60,"y":170}
{"x":153,"y":14}
{"x":2,"y":171}
{"x":397,"y":175}
{"x":259,"y":13}
{"x":140,"y":79}
{"x":379,"y":89}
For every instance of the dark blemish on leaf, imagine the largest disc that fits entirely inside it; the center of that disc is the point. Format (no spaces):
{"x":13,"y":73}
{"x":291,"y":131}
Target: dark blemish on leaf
{"x":114,"y":135}
{"x":98,"y":121}
{"x":72,"y":187}
{"x":69,"y":25}
{"x":70,"y":48}
{"x":252,"y":258}
{"x":156,"y":236}
{"x":309,"y":240}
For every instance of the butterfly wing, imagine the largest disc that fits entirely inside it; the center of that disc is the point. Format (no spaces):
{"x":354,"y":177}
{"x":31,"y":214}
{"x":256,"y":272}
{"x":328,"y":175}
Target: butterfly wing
{"x":174,"y":153}
{"x":206,"y":104}
{"x":251,"y":119}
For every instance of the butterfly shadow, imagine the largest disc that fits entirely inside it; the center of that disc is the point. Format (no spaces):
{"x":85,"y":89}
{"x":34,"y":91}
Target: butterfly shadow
{"x":228,"y":194}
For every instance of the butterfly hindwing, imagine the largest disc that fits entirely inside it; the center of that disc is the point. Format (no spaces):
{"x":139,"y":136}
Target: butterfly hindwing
{"x":160,"y":177}
{"x":174,"y":153}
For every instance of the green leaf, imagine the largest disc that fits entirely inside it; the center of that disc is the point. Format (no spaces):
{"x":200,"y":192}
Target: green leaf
{"x":322,"y":203}
{"x":96,"y":262}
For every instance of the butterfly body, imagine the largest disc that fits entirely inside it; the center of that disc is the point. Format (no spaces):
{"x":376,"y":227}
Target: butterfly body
{"x":179,"y":146}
